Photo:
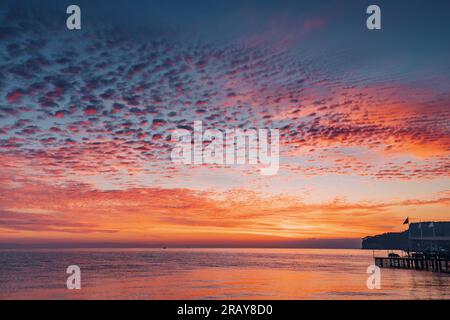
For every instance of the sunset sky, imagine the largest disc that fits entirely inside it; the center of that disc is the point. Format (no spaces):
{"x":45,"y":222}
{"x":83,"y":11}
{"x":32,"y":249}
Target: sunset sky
{"x":86,"y":118}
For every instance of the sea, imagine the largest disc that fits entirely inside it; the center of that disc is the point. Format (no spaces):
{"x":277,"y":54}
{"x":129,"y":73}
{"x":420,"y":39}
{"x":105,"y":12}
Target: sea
{"x":187,"y":273}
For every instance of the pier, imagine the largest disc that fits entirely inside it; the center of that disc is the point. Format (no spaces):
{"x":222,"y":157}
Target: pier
{"x":425,"y":246}
{"x":435,"y":264}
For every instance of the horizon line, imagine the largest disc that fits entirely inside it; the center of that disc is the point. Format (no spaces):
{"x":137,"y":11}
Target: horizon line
{"x":350,"y":243}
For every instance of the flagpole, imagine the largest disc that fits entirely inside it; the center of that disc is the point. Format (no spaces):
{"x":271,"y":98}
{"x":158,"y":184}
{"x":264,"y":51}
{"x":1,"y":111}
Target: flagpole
{"x":421,"y":237}
{"x":434,"y":236}
{"x":409,"y":238}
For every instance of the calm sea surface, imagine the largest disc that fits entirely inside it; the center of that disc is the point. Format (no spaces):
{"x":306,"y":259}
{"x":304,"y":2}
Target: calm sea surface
{"x":209,"y":274}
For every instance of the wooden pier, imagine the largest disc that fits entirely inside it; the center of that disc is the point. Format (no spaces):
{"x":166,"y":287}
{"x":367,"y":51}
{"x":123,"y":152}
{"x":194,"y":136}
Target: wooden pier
{"x":435,"y":264}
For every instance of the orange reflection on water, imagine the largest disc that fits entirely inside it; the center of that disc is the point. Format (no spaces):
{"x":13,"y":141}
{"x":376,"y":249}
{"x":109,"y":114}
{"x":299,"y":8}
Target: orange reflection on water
{"x":212,"y":274}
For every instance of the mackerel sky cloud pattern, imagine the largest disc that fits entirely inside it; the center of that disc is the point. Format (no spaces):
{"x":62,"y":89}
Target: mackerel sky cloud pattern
{"x":86,"y":117}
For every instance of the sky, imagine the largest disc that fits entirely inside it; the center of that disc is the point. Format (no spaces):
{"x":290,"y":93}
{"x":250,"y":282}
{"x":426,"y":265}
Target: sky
{"x":86,"y":118}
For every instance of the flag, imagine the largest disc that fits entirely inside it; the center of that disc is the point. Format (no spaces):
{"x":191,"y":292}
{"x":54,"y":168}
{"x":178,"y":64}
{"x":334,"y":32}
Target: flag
{"x":406,"y":221}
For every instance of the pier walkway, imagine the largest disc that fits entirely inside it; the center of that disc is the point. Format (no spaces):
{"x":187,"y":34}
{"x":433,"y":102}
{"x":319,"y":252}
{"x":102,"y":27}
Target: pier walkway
{"x":435,"y":264}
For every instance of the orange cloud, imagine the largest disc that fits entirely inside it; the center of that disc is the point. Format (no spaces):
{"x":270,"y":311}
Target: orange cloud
{"x":42,"y":212}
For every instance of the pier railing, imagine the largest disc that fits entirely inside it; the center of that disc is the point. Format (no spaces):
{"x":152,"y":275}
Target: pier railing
{"x":436,"y":264}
